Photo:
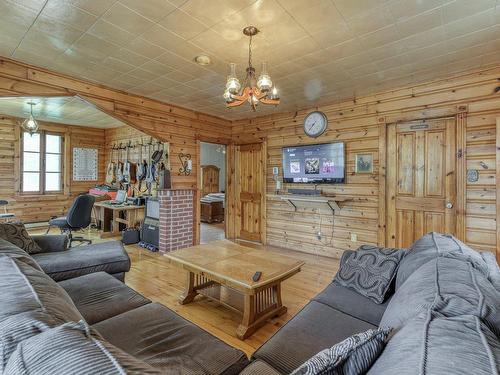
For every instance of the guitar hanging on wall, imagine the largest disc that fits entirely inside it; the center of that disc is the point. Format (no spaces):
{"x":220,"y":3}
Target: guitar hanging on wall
{"x":110,"y":170}
{"x":129,"y":169}
{"x":119,"y":166}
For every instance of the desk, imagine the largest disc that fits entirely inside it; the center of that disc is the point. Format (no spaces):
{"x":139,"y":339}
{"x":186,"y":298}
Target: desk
{"x":109,"y":217}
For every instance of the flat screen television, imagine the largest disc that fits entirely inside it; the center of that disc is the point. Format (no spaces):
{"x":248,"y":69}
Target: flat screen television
{"x":316,"y":164}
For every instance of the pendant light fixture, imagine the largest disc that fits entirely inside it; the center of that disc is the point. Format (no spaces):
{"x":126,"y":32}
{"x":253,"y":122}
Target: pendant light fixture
{"x":30,"y":125}
{"x":255,"y":90}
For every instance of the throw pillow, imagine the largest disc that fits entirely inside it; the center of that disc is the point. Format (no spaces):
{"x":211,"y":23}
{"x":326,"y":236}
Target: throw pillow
{"x":73,"y":348}
{"x":370,"y":271}
{"x":352,"y":356}
{"x":17,"y":234}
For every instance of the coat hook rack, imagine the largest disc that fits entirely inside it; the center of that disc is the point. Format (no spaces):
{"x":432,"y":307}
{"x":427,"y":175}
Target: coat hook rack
{"x":186,"y":163}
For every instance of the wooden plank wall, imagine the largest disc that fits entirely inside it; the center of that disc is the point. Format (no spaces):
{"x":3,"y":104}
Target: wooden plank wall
{"x":183,"y":129}
{"x":361,"y":124}
{"x":298,"y":230}
{"x":125,"y":134}
{"x":480,"y":222}
{"x":32,"y":208}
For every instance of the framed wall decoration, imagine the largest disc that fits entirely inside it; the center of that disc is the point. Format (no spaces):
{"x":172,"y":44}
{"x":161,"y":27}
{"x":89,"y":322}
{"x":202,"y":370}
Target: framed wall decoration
{"x":364,"y":163}
{"x":85,"y":166}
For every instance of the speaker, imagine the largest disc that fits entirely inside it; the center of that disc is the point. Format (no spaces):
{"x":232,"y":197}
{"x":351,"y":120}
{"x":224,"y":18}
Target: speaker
{"x":130,"y":236}
{"x":150,"y":231}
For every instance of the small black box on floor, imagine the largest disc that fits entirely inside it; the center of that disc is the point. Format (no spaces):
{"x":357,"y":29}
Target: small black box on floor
{"x":130,"y":236}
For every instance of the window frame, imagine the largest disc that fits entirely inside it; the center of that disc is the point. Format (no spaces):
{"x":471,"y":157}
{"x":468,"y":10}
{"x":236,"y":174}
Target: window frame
{"x":42,"y":160}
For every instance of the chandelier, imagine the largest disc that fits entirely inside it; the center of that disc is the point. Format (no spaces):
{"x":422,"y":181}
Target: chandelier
{"x":254,"y":90}
{"x":30,"y":125}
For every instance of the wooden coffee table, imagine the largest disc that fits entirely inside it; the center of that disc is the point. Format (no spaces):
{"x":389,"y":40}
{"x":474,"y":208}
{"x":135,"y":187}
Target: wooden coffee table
{"x":223,"y":270}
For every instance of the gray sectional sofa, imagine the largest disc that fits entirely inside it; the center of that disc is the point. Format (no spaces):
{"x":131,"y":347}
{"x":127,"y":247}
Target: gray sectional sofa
{"x":445,"y":315}
{"x":89,"y":322}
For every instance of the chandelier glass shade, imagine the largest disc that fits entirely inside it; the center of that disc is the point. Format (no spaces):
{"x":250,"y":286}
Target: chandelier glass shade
{"x":30,"y":125}
{"x":255,"y":89}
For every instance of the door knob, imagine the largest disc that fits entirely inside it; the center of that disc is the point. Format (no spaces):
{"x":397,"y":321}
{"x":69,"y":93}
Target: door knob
{"x":449,"y":205}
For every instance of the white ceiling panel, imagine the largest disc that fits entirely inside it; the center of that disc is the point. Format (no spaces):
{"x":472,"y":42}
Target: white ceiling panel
{"x":317,"y":50}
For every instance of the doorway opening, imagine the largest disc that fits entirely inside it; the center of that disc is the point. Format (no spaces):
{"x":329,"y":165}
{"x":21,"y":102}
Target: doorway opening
{"x":213,"y":190}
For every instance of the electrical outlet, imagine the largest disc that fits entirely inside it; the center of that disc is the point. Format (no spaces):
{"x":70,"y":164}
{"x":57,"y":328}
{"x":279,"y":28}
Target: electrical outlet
{"x":354,"y":237}
{"x":319,"y":235}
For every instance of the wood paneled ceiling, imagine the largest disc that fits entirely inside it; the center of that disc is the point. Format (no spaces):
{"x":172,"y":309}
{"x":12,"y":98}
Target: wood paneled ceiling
{"x":63,"y":110}
{"x":318,"y":51}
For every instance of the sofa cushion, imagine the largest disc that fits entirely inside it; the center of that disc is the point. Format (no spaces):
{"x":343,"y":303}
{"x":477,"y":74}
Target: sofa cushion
{"x":24,"y":288}
{"x":448,"y":286}
{"x":493,"y":269}
{"x":12,"y":251}
{"x":428,"y":344}
{"x":164,"y":340}
{"x":51,"y":242}
{"x":352,"y":303}
{"x":259,"y":367}
{"x":370,"y":271}
{"x":17,"y":234}
{"x":72,"y":348}
{"x":99,"y":296}
{"x":429,"y":247}
{"x":316,"y":327}
{"x":108,"y":257}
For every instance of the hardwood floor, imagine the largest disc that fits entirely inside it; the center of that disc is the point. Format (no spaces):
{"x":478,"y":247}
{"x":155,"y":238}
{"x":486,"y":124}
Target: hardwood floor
{"x":152,"y":276}
{"x":211,"y":232}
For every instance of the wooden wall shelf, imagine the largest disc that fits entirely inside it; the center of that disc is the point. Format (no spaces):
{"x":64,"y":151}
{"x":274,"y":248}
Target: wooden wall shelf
{"x":319,"y":201}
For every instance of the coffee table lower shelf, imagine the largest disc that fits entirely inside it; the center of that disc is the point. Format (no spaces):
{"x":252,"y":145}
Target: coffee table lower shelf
{"x":257,"y":306}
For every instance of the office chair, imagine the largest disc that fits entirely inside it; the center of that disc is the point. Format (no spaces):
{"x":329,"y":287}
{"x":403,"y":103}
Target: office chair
{"x":5,"y":215}
{"x":78,"y":217}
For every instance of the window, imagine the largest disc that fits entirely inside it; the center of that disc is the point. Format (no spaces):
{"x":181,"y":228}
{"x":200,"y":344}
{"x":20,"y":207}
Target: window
{"x":41,"y":163}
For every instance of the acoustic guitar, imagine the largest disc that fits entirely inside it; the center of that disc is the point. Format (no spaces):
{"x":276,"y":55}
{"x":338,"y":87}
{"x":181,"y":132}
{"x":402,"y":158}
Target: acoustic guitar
{"x":110,"y":170}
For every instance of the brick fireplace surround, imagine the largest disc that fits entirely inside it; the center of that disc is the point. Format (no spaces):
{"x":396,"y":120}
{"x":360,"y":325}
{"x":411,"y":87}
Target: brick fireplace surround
{"x":176,"y":218}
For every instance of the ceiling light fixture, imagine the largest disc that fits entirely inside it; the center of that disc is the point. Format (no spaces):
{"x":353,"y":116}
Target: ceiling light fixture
{"x":202,"y":60}
{"x":255,"y":90}
{"x":30,"y":125}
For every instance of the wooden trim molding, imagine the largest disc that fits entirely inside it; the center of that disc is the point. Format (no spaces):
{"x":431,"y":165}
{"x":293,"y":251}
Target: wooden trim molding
{"x":382,"y":151}
{"x":461,"y":170}
{"x":390,"y":197}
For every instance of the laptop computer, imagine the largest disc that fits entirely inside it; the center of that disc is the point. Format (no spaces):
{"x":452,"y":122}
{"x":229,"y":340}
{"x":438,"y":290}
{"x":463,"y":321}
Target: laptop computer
{"x":121,"y":197}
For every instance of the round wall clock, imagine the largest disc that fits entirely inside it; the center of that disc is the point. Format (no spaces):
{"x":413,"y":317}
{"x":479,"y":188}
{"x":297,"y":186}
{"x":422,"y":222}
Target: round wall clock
{"x":315,"y":124}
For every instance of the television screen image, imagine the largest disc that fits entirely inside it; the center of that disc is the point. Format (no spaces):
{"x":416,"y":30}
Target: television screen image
{"x":321,"y":163}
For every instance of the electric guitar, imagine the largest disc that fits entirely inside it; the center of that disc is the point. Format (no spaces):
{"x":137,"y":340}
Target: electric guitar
{"x":119,"y":168}
{"x":129,"y":169}
{"x":141,"y":170}
{"x":150,"y":172}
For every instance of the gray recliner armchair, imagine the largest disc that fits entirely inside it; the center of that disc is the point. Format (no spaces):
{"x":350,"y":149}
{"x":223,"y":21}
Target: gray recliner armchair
{"x":78,"y":217}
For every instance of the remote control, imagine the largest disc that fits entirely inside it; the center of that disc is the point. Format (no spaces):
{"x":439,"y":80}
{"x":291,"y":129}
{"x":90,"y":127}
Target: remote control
{"x":256,"y":276}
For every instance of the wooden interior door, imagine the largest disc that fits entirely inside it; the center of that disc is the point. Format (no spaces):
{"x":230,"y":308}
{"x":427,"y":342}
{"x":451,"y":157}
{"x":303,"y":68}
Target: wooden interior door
{"x":421,"y":180}
{"x":250,"y":192}
{"x":209,"y":179}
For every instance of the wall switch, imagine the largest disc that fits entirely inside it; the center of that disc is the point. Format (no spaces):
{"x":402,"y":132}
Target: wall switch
{"x":319,"y":235}
{"x":354,"y":237}
{"x":276,"y":171}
